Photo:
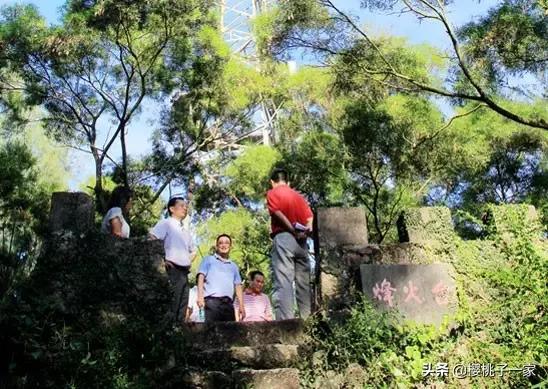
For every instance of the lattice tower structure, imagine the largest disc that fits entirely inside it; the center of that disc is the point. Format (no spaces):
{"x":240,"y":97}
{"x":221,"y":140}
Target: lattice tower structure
{"x":236,"y":17}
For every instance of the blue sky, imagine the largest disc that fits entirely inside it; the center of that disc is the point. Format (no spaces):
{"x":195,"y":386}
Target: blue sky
{"x":395,"y":24}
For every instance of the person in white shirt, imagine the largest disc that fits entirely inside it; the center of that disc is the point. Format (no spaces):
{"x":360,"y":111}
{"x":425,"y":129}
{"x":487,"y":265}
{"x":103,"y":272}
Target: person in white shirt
{"x":179,"y":253}
{"x":120,"y":204}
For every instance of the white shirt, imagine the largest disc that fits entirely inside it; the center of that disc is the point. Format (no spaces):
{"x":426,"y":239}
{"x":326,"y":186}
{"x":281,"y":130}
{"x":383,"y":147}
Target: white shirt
{"x":111,"y":214}
{"x":177,"y":241}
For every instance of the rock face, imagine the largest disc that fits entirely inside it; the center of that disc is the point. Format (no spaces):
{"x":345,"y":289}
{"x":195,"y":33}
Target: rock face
{"x":71,"y":212}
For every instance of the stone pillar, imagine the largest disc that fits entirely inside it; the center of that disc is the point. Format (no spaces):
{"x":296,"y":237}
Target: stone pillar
{"x":508,"y":220}
{"x":339,"y":230}
{"x":71,"y":212}
{"x":429,"y":226}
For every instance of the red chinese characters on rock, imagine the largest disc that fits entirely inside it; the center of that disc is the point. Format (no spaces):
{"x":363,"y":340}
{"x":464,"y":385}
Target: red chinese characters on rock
{"x":384,"y":292}
{"x":411,"y":293}
{"x":441,"y":293}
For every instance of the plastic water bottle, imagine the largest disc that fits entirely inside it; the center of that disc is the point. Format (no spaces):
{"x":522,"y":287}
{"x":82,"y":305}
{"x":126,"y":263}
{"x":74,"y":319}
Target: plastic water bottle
{"x":201,"y":315}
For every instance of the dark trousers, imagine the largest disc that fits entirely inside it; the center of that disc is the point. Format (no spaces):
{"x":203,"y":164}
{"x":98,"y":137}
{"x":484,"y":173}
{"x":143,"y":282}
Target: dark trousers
{"x":178,"y":277}
{"x":219,"y":309}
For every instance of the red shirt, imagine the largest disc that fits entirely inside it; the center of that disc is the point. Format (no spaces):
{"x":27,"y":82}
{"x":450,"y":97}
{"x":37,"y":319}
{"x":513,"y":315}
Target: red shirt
{"x":290,"y":203}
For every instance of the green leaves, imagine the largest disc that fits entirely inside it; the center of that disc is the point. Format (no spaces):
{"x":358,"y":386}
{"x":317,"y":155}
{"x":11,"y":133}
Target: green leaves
{"x":249,"y":173}
{"x":23,"y":207}
{"x":498,"y":160}
{"x":511,"y":38}
{"x":100,"y":64}
{"x":317,"y":166}
{"x":502,"y":315}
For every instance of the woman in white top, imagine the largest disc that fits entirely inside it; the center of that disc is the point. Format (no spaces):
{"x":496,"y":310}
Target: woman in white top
{"x":120,"y":204}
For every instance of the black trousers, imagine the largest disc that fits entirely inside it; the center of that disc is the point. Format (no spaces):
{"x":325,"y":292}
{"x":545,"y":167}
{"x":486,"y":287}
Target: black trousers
{"x":178,"y":277}
{"x":219,"y":309}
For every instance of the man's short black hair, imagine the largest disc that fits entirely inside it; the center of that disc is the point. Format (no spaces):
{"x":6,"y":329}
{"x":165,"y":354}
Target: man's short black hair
{"x":279,"y":175}
{"x":172,"y":201}
{"x":225,"y":235}
{"x":254,"y":274}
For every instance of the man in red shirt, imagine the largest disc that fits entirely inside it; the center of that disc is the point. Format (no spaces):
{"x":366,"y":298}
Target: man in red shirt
{"x":291,"y":218}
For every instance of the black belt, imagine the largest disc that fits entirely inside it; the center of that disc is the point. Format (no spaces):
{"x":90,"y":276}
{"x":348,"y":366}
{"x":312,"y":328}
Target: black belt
{"x":224,"y":299}
{"x":179,"y":267}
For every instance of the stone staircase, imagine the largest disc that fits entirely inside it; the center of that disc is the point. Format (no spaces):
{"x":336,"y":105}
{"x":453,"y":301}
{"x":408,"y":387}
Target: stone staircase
{"x":243,"y":355}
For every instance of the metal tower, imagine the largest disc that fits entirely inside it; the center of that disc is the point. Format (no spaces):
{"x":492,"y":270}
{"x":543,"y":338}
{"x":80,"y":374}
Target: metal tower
{"x":236,"y":17}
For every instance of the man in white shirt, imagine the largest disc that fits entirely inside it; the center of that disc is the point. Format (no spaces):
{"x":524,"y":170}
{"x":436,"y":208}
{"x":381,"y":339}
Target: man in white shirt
{"x":180,"y":252}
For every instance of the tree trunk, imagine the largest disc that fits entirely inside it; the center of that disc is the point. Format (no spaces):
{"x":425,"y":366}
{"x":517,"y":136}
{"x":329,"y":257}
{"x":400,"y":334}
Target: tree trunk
{"x":100,"y":199}
{"x":124,"y":155}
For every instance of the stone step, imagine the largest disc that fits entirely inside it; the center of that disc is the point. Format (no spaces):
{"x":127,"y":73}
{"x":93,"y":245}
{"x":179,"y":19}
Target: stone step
{"x":244,"y":378}
{"x":267,"y":356}
{"x":266,"y":379}
{"x":205,"y":336}
{"x":206,"y":380}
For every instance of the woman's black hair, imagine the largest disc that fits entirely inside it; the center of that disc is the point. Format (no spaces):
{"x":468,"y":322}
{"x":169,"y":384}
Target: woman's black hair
{"x":172,"y":201}
{"x":119,"y":197}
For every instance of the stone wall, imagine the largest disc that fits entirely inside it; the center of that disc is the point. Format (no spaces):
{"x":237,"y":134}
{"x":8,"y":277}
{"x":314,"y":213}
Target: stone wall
{"x":426,"y":238}
{"x":343,"y":247}
{"x":84,"y":269}
{"x":509,"y":220}
{"x":427,"y":225}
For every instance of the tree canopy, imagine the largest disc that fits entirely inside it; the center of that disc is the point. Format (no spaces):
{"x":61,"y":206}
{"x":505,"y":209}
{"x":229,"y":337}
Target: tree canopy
{"x":361,"y":119}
